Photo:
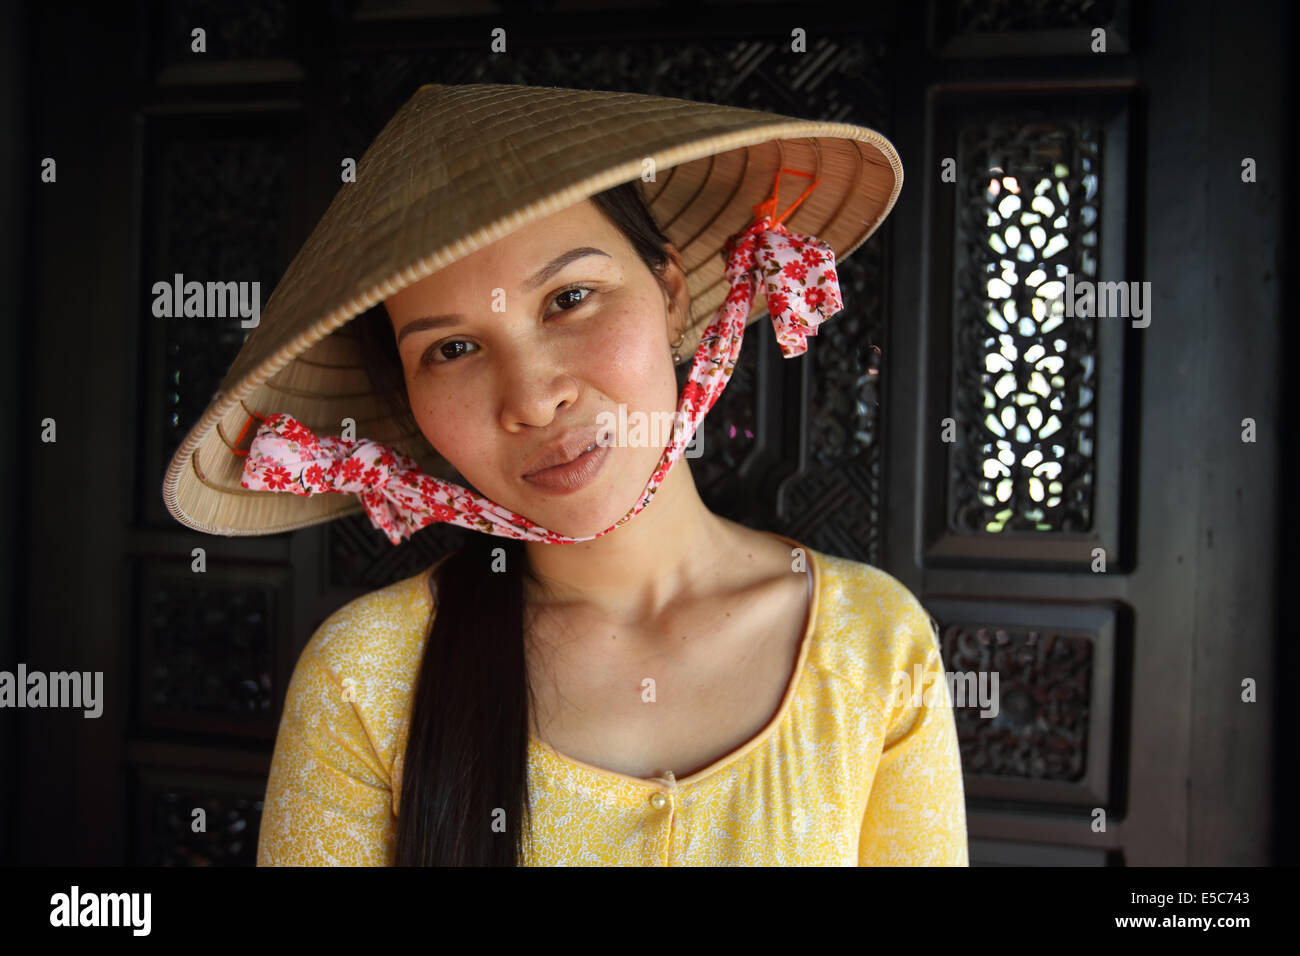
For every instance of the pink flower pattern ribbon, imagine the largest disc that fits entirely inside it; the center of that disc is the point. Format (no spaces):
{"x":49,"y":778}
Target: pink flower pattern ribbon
{"x":797,"y":274}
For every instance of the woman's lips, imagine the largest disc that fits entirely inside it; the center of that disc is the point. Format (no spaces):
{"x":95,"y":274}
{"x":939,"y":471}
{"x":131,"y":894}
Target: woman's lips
{"x":566,"y":479}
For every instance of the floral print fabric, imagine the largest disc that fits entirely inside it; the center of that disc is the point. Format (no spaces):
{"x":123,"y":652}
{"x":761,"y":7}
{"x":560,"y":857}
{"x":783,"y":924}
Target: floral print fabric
{"x":797,"y":275}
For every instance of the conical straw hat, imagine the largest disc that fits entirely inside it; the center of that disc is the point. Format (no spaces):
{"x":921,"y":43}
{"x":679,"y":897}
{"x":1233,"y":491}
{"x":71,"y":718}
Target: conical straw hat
{"x":455,"y":169}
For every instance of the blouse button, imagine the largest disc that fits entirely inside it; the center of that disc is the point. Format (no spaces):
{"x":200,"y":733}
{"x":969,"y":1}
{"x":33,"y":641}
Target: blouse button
{"x":658,"y":801}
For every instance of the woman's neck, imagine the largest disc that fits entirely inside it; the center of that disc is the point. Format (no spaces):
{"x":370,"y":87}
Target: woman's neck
{"x":674,"y":547}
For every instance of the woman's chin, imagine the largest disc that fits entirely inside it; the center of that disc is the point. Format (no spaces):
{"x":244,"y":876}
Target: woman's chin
{"x":576,"y":515}
{"x":580,"y":513}
{"x":584,"y":525}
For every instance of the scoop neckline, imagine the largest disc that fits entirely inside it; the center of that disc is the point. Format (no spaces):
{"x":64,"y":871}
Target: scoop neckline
{"x":768,"y":729}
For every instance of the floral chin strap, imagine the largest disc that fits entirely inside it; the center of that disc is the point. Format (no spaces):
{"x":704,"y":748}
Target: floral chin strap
{"x":798,"y":277}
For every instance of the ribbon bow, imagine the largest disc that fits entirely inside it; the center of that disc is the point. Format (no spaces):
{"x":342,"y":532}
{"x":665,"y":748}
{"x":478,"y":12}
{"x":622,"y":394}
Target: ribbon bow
{"x":797,"y":275}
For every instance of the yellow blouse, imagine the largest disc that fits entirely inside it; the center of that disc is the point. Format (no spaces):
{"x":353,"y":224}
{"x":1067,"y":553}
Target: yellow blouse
{"x":851,"y":770}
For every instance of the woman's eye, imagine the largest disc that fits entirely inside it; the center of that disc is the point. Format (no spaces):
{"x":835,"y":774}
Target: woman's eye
{"x":440,"y":349}
{"x":572,"y":302}
{"x":439,"y":355}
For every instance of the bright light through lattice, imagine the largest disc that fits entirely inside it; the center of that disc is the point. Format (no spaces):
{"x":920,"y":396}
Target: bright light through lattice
{"x":1005,"y":237}
{"x":1009,"y":182}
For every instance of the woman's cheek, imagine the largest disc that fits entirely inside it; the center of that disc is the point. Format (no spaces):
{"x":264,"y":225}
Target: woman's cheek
{"x":448,"y":430}
{"x":625,"y":349}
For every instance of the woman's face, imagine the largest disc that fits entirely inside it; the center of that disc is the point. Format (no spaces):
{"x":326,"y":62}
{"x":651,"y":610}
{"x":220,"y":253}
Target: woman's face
{"x":533,"y":338}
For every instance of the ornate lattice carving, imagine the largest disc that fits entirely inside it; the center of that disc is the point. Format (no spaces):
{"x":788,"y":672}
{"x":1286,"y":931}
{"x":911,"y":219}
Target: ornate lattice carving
{"x":210,"y":650}
{"x":1044,"y":688}
{"x":1002,"y":16}
{"x":229,"y":839}
{"x":233,"y":31}
{"x":1025,"y":376}
{"x":218,"y":207}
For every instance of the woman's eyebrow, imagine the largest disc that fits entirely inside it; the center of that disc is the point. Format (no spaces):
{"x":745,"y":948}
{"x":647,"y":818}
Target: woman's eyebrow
{"x":545,"y":272}
{"x":558,"y":263}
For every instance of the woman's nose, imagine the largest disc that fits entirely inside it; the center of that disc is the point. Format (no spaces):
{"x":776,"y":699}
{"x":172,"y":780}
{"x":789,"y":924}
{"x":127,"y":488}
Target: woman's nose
{"x":536,"y":381}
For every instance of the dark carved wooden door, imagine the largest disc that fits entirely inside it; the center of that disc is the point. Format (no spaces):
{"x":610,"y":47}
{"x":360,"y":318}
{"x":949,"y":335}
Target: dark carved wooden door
{"x":1070,"y":492}
{"x":1063,"y":495}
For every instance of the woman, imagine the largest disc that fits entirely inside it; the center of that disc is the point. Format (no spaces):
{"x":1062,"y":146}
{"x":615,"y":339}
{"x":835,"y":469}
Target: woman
{"x":672,"y":690}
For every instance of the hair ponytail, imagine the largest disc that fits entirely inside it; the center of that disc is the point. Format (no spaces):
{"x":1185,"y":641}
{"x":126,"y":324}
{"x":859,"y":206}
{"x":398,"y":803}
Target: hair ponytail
{"x":464,"y":782}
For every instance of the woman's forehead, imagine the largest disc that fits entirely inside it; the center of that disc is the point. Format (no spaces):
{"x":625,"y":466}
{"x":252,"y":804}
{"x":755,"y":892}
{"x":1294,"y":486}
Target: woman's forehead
{"x":516,"y":261}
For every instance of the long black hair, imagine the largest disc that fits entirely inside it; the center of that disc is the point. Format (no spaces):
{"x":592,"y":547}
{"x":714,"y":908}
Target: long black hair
{"x":464,"y":798}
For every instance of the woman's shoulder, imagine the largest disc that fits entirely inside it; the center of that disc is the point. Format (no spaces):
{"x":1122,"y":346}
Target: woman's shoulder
{"x":871,"y":624}
{"x":346,"y":703}
{"x":379,"y":635}
{"x":855,"y":587}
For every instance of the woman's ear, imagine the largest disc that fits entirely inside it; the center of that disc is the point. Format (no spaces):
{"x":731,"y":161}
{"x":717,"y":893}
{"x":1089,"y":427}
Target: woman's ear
{"x":678,"y":296}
